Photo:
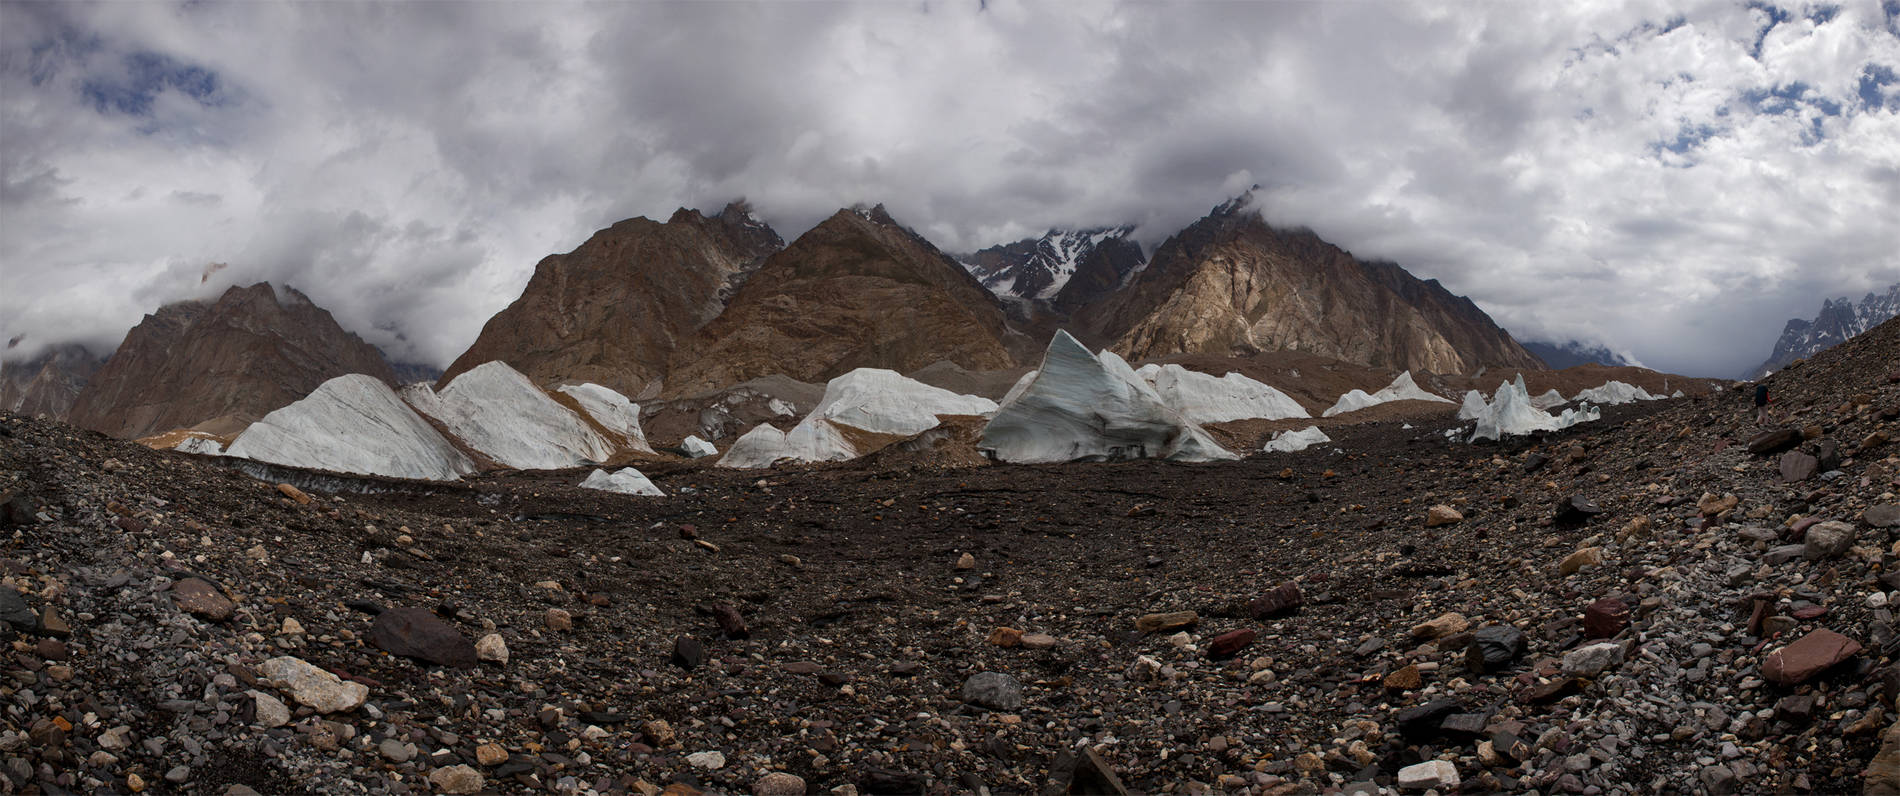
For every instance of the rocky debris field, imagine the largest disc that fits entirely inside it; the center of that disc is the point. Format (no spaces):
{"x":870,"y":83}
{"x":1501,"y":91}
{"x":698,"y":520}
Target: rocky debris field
{"x":1668,"y":600}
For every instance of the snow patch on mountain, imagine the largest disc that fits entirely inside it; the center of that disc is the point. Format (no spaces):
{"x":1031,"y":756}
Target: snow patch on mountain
{"x":353,"y":424}
{"x":1838,"y":320}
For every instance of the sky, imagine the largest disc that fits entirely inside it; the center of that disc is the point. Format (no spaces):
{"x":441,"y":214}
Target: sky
{"x":1674,"y":180}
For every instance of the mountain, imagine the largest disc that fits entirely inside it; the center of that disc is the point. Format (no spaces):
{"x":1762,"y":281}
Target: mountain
{"x":1575,"y":352}
{"x":1838,"y":320}
{"x":49,"y":383}
{"x":220,"y":365}
{"x":614,"y":310}
{"x":1231,"y":284}
{"x":1065,"y":269}
{"x":858,"y":290}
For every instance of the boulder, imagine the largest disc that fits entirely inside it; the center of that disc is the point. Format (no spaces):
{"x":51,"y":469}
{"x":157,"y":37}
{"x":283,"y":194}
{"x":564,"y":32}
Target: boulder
{"x":1827,"y":540}
{"x":1575,"y":510}
{"x":1797,"y":466}
{"x":993,"y":690}
{"x":1175,"y":620}
{"x":457,"y":779}
{"x":1441,"y":515}
{"x":1281,"y":600}
{"x":199,"y":598}
{"x":1811,"y":655}
{"x":417,"y":633}
{"x":1494,"y":647}
{"x":1429,"y":775}
{"x":1445,"y":625}
{"x":1774,"y":441}
{"x":1885,"y":515}
{"x":1587,"y":557}
{"x":1592,"y":660}
{"x":313,"y":687}
{"x":1605,"y":618}
{"x":1226,"y":645}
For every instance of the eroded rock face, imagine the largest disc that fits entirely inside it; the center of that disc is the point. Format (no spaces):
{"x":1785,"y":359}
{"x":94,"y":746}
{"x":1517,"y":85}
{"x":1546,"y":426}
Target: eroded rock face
{"x":47,"y":384}
{"x":221,"y":365}
{"x":1232,"y":284}
{"x":614,"y":310}
{"x":857,"y":291}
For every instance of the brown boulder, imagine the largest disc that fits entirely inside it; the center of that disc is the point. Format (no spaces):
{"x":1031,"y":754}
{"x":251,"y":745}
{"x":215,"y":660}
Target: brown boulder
{"x":1811,"y":655}
{"x":1774,"y":441}
{"x":1155,"y":623}
{"x":1227,"y":644}
{"x":416,"y":633}
{"x":1282,"y":599}
{"x":200,"y":598}
{"x":1441,"y":515}
{"x":1797,"y":466}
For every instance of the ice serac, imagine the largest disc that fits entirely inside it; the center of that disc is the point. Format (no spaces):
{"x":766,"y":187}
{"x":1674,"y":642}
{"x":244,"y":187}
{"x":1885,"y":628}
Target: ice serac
{"x":1838,"y":320}
{"x":1231,"y":285}
{"x":1202,"y":398}
{"x":873,"y":400}
{"x":611,"y":411}
{"x":353,"y":424}
{"x":47,"y":383}
{"x":1510,"y":413}
{"x":697,"y":448}
{"x":1551,"y":399}
{"x":1612,"y":393}
{"x":1290,"y":441}
{"x":614,"y":310}
{"x":1079,"y":405}
{"x":626,"y":481}
{"x":857,"y":291}
{"x":1402,"y":388}
{"x":499,"y":413}
{"x":218,"y":366}
{"x":1473,"y":405}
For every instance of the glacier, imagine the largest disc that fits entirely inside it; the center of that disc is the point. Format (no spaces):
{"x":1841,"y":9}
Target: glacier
{"x":499,"y":413}
{"x":628,"y":481}
{"x":1401,"y":389}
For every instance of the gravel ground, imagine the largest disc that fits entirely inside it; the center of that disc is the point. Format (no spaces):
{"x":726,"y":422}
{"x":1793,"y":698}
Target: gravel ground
{"x":1632,"y":606}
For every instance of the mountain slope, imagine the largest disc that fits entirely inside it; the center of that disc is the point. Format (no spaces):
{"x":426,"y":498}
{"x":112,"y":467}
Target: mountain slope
{"x":614,"y":310}
{"x":858,"y":290}
{"x":49,"y":383}
{"x":223,"y":363}
{"x":1838,"y":320}
{"x":1231,"y":284}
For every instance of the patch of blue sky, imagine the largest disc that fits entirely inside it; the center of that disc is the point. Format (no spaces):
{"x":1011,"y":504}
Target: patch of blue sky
{"x":144,"y":77}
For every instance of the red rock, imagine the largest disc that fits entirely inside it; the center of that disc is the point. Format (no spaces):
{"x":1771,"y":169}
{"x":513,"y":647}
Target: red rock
{"x":1809,"y":612}
{"x":1227,"y":644}
{"x":730,"y":621}
{"x":1813,"y":654}
{"x":416,"y":633}
{"x":1605,"y":618}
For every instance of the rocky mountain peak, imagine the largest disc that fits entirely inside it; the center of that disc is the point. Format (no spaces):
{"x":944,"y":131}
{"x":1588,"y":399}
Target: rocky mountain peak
{"x":615,"y":309}
{"x":48,"y":382}
{"x":221,"y":363}
{"x":1838,"y":320}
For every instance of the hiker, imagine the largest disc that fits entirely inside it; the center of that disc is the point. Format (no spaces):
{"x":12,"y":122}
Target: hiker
{"x":1761,"y":404}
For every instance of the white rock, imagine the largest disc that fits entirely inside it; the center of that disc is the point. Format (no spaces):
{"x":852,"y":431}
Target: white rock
{"x":492,"y":648}
{"x":313,"y":687}
{"x":627,"y":481}
{"x":1202,"y":398}
{"x":1592,"y":660}
{"x":1427,"y":775}
{"x":711,"y":761}
{"x":613,"y":411}
{"x":1402,"y":388}
{"x":697,"y":448}
{"x":1080,"y":405}
{"x":500,"y":413}
{"x":201,"y":444}
{"x":269,"y":711}
{"x":353,"y":424}
{"x":1289,"y":441}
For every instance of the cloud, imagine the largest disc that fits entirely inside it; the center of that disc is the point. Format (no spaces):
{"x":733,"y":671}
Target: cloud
{"x":1670,"y":180}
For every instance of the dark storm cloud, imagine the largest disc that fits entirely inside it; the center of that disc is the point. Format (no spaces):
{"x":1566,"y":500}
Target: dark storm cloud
{"x":1669,"y":180}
